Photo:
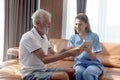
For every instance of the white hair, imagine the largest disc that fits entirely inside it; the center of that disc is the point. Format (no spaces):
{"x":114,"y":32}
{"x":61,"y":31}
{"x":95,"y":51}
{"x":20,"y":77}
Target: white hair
{"x":39,"y":15}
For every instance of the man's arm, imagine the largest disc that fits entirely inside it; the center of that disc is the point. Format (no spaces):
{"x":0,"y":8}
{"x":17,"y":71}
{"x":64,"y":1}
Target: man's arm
{"x":47,"y":59}
{"x":51,"y":51}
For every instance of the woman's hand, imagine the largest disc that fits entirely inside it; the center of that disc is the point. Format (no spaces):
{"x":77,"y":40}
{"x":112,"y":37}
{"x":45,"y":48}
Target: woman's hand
{"x":87,"y":49}
{"x":91,"y":55}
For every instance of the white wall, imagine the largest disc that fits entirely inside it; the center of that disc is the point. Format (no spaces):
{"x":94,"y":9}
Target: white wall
{"x":1,"y":29}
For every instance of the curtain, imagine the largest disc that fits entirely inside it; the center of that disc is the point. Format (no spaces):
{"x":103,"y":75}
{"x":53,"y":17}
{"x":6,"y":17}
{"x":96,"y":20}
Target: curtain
{"x":81,"y":6}
{"x":17,"y":21}
{"x":104,"y":18}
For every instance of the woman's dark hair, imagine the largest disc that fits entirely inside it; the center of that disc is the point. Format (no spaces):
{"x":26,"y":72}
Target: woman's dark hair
{"x":83,"y":17}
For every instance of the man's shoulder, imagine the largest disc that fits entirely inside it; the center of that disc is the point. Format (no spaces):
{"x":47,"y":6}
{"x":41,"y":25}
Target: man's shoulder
{"x":26,"y":36}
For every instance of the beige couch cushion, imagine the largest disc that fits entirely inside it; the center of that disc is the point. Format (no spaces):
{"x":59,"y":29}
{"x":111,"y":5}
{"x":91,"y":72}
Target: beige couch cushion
{"x":112,"y":74}
{"x":10,"y":72}
{"x":110,"y":61}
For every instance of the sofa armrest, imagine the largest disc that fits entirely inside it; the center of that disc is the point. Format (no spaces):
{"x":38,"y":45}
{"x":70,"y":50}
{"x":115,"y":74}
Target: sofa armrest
{"x":13,"y":51}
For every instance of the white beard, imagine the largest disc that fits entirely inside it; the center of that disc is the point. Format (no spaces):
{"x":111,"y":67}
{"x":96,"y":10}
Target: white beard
{"x":44,"y":30}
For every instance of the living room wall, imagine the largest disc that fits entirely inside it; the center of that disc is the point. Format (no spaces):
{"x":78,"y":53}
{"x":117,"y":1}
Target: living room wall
{"x":55,"y":7}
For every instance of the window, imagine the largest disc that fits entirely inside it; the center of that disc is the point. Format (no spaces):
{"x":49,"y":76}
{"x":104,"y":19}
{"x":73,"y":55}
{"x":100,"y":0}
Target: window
{"x":104,"y":18}
{"x":69,"y":13}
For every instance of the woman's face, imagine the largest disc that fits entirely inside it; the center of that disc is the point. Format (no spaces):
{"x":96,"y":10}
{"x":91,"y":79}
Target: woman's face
{"x":80,"y":26}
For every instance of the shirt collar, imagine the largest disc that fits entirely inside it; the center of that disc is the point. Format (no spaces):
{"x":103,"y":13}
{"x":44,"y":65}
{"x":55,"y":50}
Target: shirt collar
{"x":36,"y":33}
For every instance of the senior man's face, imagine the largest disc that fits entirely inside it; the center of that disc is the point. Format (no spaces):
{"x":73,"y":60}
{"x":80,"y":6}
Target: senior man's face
{"x":45,"y":26}
{"x":45,"y":29}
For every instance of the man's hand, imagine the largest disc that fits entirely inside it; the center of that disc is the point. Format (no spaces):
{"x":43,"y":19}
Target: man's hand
{"x":66,"y":49}
{"x":75,"y":51}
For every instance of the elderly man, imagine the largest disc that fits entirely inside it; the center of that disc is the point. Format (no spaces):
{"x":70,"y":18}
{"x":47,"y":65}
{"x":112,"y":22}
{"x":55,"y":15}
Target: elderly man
{"x":35,"y":51}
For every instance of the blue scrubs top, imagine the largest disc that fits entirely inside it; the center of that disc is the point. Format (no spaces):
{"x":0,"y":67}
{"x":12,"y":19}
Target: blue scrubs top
{"x":83,"y":59}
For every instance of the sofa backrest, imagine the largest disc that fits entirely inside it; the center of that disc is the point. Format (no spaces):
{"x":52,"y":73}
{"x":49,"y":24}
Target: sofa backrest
{"x":58,"y":44}
{"x":110,"y":49}
{"x":110,"y":55}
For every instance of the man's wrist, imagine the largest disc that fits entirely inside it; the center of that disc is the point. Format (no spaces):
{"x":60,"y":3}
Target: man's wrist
{"x":67,"y":53}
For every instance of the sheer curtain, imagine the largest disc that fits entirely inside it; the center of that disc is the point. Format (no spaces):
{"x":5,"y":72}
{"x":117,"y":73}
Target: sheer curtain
{"x":104,"y":18}
{"x":72,"y":12}
{"x":69,"y":13}
{"x":17,"y":21}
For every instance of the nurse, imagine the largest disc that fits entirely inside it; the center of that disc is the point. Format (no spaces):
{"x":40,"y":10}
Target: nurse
{"x":87,"y":66}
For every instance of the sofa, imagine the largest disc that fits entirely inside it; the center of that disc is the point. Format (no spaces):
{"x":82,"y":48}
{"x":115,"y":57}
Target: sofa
{"x":109,"y":57}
